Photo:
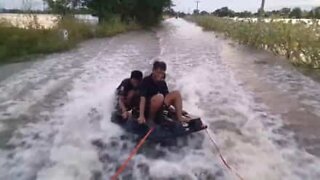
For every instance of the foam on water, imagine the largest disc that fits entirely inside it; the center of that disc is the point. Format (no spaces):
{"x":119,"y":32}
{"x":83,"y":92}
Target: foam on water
{"x":61,"y":147}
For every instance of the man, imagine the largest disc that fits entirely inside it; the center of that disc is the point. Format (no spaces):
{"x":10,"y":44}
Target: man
{"x":128,"y":92}
{"x":154,"y":94}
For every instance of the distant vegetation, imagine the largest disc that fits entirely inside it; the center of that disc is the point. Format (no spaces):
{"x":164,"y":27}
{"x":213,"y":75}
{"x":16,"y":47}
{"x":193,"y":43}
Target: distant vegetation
{"x":144,"y":12}
{"x":297,"y":13}
{"x":298,"y":42}
{"x":282,"y":13}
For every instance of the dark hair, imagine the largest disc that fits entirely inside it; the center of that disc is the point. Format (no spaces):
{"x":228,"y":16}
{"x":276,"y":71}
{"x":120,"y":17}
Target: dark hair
{"x":159,"y":65}
{"x":136,"y":75}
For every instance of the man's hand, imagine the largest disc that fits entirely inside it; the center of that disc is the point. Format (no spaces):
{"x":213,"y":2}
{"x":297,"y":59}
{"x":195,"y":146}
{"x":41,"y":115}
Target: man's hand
{"x":125,"y":115}
{"x":141,"y":120}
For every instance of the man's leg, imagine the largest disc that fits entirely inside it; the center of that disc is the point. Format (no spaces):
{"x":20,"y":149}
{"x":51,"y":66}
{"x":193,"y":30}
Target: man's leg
{"x":174,"y":98}
{"x":156,"y":103}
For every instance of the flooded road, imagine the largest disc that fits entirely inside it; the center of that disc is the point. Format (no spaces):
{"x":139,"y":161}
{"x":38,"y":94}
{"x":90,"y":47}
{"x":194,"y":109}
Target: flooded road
{"x":263,"y":113}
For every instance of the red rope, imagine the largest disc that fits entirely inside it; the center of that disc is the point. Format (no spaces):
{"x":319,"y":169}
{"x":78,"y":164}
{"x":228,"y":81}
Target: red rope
{"x":222,"y":158}
{"x":134,"y":152}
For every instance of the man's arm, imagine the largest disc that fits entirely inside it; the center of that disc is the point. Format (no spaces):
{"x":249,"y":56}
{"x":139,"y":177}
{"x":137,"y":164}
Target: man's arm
{"x":121,"y":92}
{"x":121,"y":104}
{"x":142,"y":106}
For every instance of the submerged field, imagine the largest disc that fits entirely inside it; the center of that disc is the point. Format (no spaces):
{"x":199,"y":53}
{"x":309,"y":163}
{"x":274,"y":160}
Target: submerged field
{"x":298,"y":41}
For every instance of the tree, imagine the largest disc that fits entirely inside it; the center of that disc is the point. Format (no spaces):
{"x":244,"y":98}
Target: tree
{"x":170,"y":12}
{"x":146,"y":12}
{"x":149,"y":12}
{"x":204,"y":13}
{"x":75,"y":3}
{"x":181,"y":14}
{"x":126,"y":9}
{"x":296,"y":13}
{"x":316,"y":12}
{"x":103,"y":9}
{"x":284,"y":12}
{"x":59,"y":6}
{"x":223,"y":12}
{"x":310,"y":14}
{"x":244,"y":14}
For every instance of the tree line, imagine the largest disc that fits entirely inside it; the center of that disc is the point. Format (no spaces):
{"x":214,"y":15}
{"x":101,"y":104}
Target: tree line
{"x":145,"y":12}
{"x":282,"y":13}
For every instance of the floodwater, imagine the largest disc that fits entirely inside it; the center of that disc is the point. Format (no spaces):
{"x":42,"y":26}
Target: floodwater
{"x":263,"y":113}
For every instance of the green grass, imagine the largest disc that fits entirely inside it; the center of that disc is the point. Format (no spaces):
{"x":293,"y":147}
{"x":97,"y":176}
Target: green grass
{"x":298,"y":42}
{"x":16,"y":44}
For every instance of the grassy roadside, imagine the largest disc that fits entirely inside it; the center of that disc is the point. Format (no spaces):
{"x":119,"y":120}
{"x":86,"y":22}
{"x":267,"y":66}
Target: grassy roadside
{"x":17,"y":44}
{"x":300,"y":43}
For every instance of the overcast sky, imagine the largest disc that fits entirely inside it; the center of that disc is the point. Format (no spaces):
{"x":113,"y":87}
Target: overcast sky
{"x":208,"y":5}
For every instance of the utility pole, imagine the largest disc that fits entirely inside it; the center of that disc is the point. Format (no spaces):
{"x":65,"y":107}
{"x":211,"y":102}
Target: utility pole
{"x":261,"y":11}
{"x":198,"y":5}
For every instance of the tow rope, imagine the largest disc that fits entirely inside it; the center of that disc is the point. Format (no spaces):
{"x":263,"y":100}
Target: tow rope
{"x":232,"y":170}
{"x":142,"y":141}
{"x":132,"y":154}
